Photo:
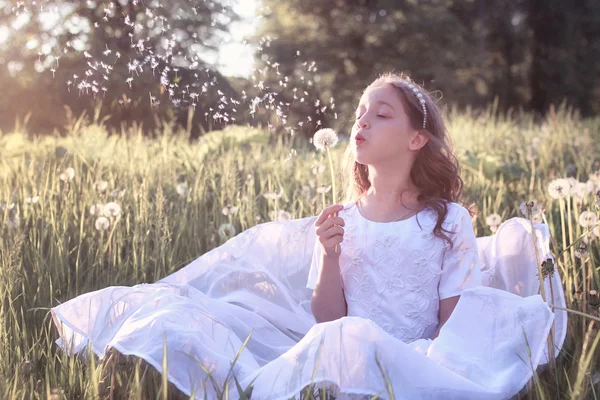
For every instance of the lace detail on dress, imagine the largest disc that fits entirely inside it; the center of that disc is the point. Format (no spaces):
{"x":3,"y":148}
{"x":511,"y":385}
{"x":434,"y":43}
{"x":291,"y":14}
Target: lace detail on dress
{"x":391,"y":273}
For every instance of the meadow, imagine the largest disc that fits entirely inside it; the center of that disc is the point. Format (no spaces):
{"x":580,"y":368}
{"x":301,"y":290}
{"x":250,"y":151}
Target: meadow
{"x":90,"y":209}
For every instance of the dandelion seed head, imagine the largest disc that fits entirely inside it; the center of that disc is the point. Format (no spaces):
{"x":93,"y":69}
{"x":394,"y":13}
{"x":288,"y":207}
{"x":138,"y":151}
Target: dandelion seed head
{"x":226,"y":231}
{"x":97,"y":209}
{"x":324,"y":138}
{"x":32,"y":199}
{"x":587,"y":219}
{"x":111,"y":209}
{"x":229,"y":210}
{"x":493,"y":220}
{"x":102,"y":223}
{"x":559,"y":188}
{"x":280,"y":215}
{"x":582,"y":251}
{"x":182,"y":190}
{"x":101,"y":186}
{"x":323,"y":189}
{"x":530,"y":208}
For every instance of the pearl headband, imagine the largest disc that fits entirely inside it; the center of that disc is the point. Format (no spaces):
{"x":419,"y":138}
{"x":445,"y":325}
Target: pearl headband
{"x":420,"y":98}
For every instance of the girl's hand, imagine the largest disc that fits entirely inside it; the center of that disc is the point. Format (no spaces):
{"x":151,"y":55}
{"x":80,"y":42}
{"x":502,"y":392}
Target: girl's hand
{"x":329,"y":229}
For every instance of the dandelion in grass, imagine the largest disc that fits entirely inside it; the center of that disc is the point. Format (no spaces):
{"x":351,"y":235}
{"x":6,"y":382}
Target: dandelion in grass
{"x":280,"y":215}
{"x":102,"y":223}
{"x":594,"y":300}
{"x":67,"y":175}
{"x":182,"y":190}
{"x":323,"y":189}
{"x":32,"y":199}
{"x":100,"y":186}
{"x":229,"y":210}
{"x":226,"y":232}
{"x":559,"y":188}
{"x":111,"y":209}
{"x":324,"y":139}
{"x":547,"y":268}
{"x":588,"y":219}
{"x":97,"y":209}
{"x":493,"y":221}
{"x":582,"y":250}
{"x":318,"y":169}
{"x":272,"y":195}
{"x":306,"y":191}
{"x":530,"y":208}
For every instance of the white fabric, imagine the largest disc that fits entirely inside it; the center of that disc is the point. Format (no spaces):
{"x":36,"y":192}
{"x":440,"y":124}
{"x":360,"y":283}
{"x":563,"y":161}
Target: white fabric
{"x":395,"y":273}
{"x":256,"y":284}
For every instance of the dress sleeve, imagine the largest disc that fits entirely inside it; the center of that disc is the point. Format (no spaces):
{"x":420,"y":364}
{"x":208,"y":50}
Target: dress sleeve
{"x":315,"y":265}
{"x":461,"y":268}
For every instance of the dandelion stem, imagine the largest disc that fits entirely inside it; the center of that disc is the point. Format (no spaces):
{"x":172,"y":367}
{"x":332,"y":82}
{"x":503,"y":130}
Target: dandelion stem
{"x":333,"y":192}
{"x":575,"y":312}
{"x":564,"y":237}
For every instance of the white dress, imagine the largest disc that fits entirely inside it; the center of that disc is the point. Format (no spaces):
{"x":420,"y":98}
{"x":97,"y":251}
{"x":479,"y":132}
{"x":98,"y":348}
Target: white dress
{"x":259,"y":285}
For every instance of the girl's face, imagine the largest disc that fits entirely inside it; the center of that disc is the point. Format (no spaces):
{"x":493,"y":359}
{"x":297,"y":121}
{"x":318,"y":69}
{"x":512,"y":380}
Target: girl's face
{"x":385,"y":127}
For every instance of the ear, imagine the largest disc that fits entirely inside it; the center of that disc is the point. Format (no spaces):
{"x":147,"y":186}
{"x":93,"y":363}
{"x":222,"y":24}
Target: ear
{"x":417,"y":141}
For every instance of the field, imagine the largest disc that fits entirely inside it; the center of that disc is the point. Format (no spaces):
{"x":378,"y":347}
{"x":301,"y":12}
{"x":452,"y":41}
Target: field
{"x":170,"y":199}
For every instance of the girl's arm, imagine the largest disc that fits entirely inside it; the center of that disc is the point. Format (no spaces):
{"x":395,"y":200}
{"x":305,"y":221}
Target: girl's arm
{"x":446,"y":308}
{"x":328,"y":302}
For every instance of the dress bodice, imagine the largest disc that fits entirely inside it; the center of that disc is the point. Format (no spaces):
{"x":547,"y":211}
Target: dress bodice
{"x":395,"y":273}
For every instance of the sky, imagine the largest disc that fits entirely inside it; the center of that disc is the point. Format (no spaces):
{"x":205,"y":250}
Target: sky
{"x":236,"y":58}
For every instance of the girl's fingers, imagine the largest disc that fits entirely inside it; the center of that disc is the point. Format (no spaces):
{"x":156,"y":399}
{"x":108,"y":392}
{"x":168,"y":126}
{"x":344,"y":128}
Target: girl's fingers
{"x":327,"y":211}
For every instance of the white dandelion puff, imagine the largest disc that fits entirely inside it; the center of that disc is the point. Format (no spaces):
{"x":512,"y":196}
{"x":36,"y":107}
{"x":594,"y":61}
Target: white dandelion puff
{"x":493,"y":220}
{"x":67,"y":175}
{"x":229,"y":210}
{"x":582,"y":251}
{"x":273,"y":196}
{"x":318,"y":169}
{"x":102,"y":223}
{"x":530,"y":208}
{"x":587,"y":219}
{"x":324,"y":138}
{"x":182,"y":190}
{"x":112,"y":209}
{"x":559,"y":188}
{"x":97,"y":209}
{"x":280,"y":215}
{"x":323,"y":189}
{"x":101,"y":186}
{"x":32,"y":199}
{"x":226,"y":231}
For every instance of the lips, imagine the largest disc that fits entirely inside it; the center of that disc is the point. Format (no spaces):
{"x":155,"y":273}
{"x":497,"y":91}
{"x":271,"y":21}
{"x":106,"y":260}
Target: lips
{"x":359,"y":138}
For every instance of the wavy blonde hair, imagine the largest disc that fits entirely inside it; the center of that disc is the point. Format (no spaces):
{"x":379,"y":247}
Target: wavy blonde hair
{"x":435,"y":172}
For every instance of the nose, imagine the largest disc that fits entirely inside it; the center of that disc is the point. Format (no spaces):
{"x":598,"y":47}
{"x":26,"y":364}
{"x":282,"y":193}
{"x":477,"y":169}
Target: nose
{"x":361,"y":123}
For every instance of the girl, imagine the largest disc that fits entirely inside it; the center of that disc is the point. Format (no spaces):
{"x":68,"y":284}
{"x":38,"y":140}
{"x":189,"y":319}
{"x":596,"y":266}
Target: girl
{"x":410,"y":249}
{"x":398,"y":311}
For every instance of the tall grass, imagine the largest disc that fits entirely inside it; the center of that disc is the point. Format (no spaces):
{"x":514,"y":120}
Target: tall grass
{"x":172,"y":193}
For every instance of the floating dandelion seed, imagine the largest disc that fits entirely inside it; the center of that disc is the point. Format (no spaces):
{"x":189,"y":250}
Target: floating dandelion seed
{"x":102,"y":223}
{"x":112,"y":209}
{"x":280,"y":215}
{"x":182,"y":190}
{"x":229,"y":210}
{"x":101,"y":186}
{"x":325,"y":138}
{"x":97,"y":209}
{"x":587,"y":219}
{"x":530,"y":208}
{"x":559,"y":188}
{"x":226,"y":231}
{"x":582,"y":251}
